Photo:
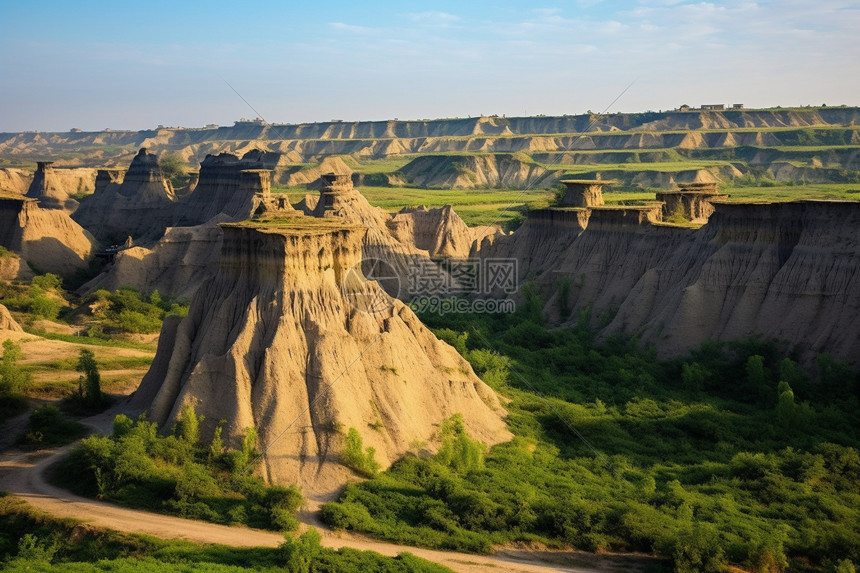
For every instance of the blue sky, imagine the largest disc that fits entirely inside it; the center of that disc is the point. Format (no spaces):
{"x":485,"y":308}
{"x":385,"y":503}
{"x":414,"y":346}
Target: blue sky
{"x":135,"y":65}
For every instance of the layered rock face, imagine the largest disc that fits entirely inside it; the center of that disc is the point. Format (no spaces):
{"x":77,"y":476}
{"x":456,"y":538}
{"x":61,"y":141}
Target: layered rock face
{"x":15,"y":181}
{"x":7,"y":322}
{"x":189,"y":239}
{"x":229,"y":186}
{"x":274,"y":343}
{"x":177,"y":264}
{"x":389,"y":240}
{"x":140,"y":206}
{"x":47,"y":238}
{"x":51,"y":188}
{"x":440,"y":231}
{"x":784,"y":271}
{"x":477,"y":171}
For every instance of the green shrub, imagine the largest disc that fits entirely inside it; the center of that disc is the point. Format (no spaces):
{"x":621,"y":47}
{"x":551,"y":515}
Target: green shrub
{"x":348,"y":515}
{"x":47,"y":282}
{"x":195,"y":482}
{"x":188,"y":425}
{"x":139,"y":323}
{"x":356,"y":457}
{"x":458,"y":451}
{"x":41,"y":306}
{"x":698,"y":550}
{"x":47,"y":427}
{"x":13,"y":378}
{"x":174,"y":474}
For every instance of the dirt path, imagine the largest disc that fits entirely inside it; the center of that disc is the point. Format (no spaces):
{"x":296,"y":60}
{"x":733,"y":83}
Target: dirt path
{"x":23,"y":474}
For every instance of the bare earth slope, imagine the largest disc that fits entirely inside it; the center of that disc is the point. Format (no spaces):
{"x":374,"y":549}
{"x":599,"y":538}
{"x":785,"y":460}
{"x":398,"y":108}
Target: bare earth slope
{"x":7,"y":322}
{"x":47,"y":238}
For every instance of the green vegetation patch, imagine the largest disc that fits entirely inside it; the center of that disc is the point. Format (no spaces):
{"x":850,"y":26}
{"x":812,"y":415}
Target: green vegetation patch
{"x":730,"y":456}
{"x":476,"y":207}
{"x":14,"y":380}
{"x":176,"y":474}
{"x":48,"y":428}
{"x":33,"y":541}
{"x":127,"y":310}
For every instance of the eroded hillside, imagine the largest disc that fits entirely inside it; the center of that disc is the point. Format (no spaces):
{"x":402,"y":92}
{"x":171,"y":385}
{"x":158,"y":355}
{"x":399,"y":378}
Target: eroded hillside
{"x":640,"y":149}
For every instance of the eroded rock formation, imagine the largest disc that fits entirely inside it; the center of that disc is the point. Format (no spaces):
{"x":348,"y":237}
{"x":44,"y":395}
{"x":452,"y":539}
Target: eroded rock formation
{"x":477,"y":171}
{"x":139,"y":206}
{"x":47,"y":238}
{"x":7,"y":322}
{"x":53,"y":188}
{"x":783,"y":271}
{"x":273,"y":342}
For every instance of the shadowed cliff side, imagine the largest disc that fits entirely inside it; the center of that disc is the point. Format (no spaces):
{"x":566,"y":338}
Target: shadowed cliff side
{"x":784,"y":271}
{"x":47,"y":238}
{"x":52,"y":187}
{"x":138,"y":205}
{"x":274,"y":343}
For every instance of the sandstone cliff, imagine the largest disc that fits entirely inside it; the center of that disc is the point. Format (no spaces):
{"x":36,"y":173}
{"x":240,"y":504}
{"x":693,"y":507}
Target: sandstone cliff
{"x":394,"y":241}
{"x":310,"y":175}
{"x":140,"y":205}
{"x":47,"y":238}
{"x":477,"y":171}
{"x":7,"y":322}
{"x":177,"y":264}
{"x":272,"y":342}
{"x":188,"y":237}
{"x":227,"y":186}
{"x":15,"y":180}
{"x":52,"y":187}
{"x":439,"y":231}
{"x":783,"y":271}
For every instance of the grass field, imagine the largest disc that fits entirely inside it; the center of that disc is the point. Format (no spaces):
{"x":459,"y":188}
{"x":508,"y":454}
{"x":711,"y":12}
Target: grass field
{"x":668,"y":166}
{"x":386,"y":165}
{"x":816,"y":191}
{"x":476,"y":207}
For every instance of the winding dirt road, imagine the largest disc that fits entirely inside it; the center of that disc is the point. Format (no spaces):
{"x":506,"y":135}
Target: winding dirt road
{"x":23,"y":474}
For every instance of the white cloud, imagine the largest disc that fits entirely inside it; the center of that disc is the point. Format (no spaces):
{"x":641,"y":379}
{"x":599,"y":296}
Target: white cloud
{"x":343,"y":27}
{"x":433,"y":17}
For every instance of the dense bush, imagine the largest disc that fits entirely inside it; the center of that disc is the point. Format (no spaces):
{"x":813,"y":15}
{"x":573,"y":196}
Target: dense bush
{"x":47,"y":427}
{"x":139,"y":467}
{"x":42,"y":299}
{"x":358,"y":458}
{"x":13,"y":381}
{"x":732,"y":455}
{"x":127,"y":310}
{"x":30,"y":541}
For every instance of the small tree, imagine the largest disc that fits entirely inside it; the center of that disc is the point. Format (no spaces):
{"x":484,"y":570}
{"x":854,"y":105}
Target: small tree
{"x":216,"y":447}
{"x":173,"y":168}
{"x":357,"y":457}
{"x":188,"y":426}
{"x":458,"y":450}
{"x":89,"y":385}
{"x":12,"y":377}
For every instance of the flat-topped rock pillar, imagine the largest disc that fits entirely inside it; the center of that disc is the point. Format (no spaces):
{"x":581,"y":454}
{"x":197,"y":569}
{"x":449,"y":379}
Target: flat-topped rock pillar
{"x":583,"y":192}
{"x":333,"y":186}
{"x":691,"y":201}
{"x":256,"y":181}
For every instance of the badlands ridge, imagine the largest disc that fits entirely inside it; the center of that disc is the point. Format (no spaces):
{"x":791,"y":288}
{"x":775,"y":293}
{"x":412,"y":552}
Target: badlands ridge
{"x":280,"y":336}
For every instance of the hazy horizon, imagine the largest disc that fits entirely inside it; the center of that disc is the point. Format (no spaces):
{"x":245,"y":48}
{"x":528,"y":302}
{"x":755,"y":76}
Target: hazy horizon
{"x":99,"y":65}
